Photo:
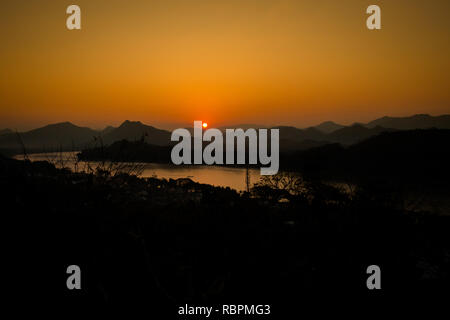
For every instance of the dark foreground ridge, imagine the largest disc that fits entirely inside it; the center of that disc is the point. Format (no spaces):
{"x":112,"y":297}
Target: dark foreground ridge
{"x":159,"y":244}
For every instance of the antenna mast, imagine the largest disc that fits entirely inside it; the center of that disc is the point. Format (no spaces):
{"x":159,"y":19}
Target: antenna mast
{"x":247,"y":179}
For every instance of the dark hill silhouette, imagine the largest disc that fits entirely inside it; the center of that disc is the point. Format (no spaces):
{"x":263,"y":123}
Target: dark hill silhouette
{"x":289,"y":145}
{"x":128,"y":151}
{"x":414,"y":156}
{"x":59,"y":136}
{"x":243,"y":126}
{"x":5,"y":131}
{"x":420,"y":153}
{"x":354,"y":134}
{"x":328,"y":127}
{"x":135,"y":130}
{"x":292,"y":138}
{"x":418,"y":121}
{"x":292,"y":133}
{"x":67,"y":136}
{"x":107,"y":130}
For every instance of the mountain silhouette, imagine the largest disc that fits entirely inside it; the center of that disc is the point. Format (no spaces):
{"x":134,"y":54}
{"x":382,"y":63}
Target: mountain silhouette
{"x":243,"y":126}
{"x":292,"y":138}
{"x":413,"y":155}
{"x":355,"y":133}
{"x":292,"y":133}
{"x":5,"y":131}
{"x":418,"y":121}
{"x":59,"y":136}
{"x":67,"y":136}
{"x":107,"y":130}
{"x":136,"y":130}
{"x":329,"y":127}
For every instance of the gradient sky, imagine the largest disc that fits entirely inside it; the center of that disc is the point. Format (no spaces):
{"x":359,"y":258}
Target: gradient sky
{"x":166,"y":62}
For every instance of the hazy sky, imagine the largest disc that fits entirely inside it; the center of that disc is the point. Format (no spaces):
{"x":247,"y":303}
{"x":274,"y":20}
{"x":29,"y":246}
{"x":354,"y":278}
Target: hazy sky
{"x":247,"y":61}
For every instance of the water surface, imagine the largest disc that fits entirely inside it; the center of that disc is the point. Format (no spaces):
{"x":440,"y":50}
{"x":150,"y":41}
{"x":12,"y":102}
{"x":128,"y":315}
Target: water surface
{"x":214,"y":175}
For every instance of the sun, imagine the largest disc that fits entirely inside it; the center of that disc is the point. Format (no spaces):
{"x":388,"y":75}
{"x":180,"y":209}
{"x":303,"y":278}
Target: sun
{"x":205,"y":125}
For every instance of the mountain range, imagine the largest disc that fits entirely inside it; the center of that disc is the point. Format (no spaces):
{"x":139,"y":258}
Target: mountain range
{"x":135,"y":130}
{"x":67,"y":136}
{"x":418,"y":121}
{"x":413,"y":155}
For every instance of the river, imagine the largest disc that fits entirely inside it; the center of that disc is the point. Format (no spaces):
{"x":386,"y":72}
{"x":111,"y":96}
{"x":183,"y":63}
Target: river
{"x":214,"y":175}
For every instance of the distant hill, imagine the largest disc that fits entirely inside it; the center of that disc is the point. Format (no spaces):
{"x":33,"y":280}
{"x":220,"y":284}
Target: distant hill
{"x":107,"y":130}
{"x":128,"y":151}
{"x":292,"y":138}
{"x":5,"y":131}
{"x":292,"y":133}
{"x":67,"y":136}
{"x":243,"y":126}
{"x":59,"y":136}
{"x":329,"y":127}
{"x":418,"y":121}
{"x":287,"y":145}
{"x":355,"y":133}
{"x":410,"y":155}
{"x":135,"y":130}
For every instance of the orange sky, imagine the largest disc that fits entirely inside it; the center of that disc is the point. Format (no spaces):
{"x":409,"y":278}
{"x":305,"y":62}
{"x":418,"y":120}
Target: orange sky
{"x":167,"y":62}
